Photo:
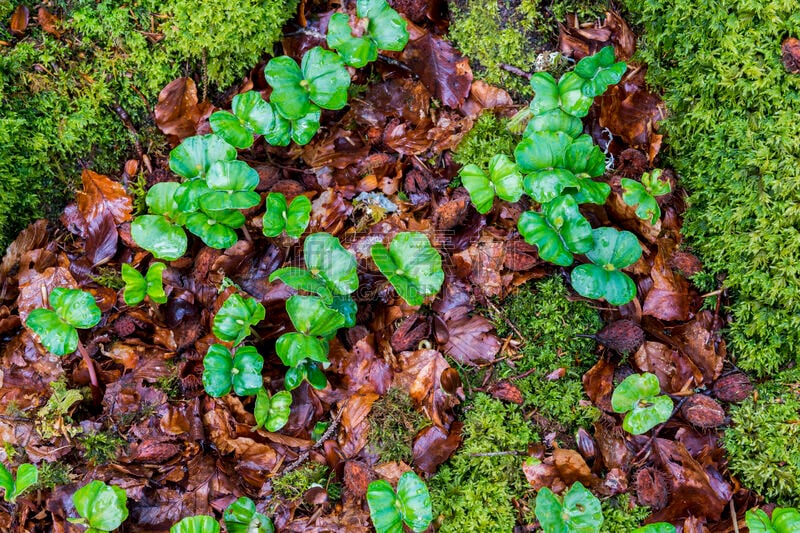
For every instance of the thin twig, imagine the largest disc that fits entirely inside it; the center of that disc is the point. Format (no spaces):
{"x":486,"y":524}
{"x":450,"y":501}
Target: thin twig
{"x":97,"y":394}
{"x":325,"y":436}
{"x":507,"y":321}
{"x":495,"y":454}
{"x":514,"y":70}
{"x":733,"y":516}
{"x":649,"y":443}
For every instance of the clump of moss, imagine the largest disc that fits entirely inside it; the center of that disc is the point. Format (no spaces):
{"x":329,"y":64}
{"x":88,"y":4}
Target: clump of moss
{"x":293,"y":485}
{"x":763,"y":440}
{"x":109,"y":277}
{"x":734,"y":139}
{"x":622,"y":515}
{"x":488,"y":137}
{"x":477,"y":493}
{"x":101,"y":448}
{"x":514,"y":33}
{"x":393,"y":424}
{"x":57,"y":95}
{"x":54,"y":474}
{"x":549,"y":322}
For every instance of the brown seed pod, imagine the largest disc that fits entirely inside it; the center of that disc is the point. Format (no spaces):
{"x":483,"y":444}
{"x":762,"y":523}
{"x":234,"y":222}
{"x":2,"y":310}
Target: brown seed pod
{"x":586,"y":444}
{"x":622,"y":336}
{"x":703,"y":412}
{"x":651,"y":488}
{"x":734,"y":387}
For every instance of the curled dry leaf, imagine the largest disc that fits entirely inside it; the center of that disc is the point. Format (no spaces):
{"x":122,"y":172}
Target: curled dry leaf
{"x":651,"y":488}
{"x":675,"y":372}
{"x":671,"y":296}
{"x":507,"y":391}
{"x":354,"y":424}
{"x":580,"y":40}
{"x":49,"y":22}
{"x":483,"y":96}
{"x":699,"y":341}
{"x":178,"y":112}
{"x":433,"y":446}
{"x":19,"y":20}
{"x":790,"y":52}
{"x":421,"y":377}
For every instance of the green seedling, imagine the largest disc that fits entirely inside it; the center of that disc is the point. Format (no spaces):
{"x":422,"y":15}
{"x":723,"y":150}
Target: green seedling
{"x":27,"y":476}
{"x":250,"y":115}
{"x":553,"y":120}
{"x":566,"y":95}
{"x":57,"y":329}
{"x":332,"y":270}
{"x":639,"y":397}
{"x":559,"y":231}
{"x":305,"y":370}
{"x":784,"y":520}
{"x":300,"y":130}
{"x":160,"y":232}
{"x":231,"y":185}
{"x":412,"y":266}
{"x":101,"y":507}
{"x":217,"y":229}
{"x":642,"y":194}
{"x":410,"y":505}
{"x":660,"y":527}
{"x":241,"y":517}
{"x":196,"y":524}
{"x":222,"y":371}
{"x":314,"y":321}
{"x":579,"y":511}
{"x":196,"y":155}
{"x":613,"y":250}
{"x":385,"y":30}
{"x":599,"y":71}
{"x":235,"y":317}
{"x":272,"y":412}
{"x":138,"y":286}
{"x":292,"y":217}
{"x":320,"y":81}
{"x":504,"y":180}
{"x":556,"y":163}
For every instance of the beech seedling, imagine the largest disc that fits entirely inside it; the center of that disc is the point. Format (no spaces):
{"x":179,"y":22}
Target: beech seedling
{"x":412,"y":266}
{"x":101,"y":507}
{"x":639,"y":397}
{"x":410,"y":505}
{"x":241,"y":517}
{"x":57,"y":329}
{"x":138,"y":286}
{"x":559,"y":231}
{"x":503,"y":180}
{"x":613,"y":250}
{"x":27,"y":476}
{"x":222,"y":371}
{"x":281,"y":216}
{"x":384,"y":29}
{"x":579,"y":511}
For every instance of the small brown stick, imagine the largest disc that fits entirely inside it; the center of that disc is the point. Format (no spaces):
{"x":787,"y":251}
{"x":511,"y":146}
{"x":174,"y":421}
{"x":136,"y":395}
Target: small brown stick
{"x":514,"y":70}
{"x":507,"y":321}
{"x":733,"y":516}
{"x":325,"y":436}
{"x":128,"y":123}
{"x":97,"y":394}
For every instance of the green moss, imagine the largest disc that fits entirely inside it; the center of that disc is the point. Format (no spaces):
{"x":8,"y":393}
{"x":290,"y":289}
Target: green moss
{"x":549,"y":322}
{"x":101,"y":448}
{"x":763,"y":441}
{"x":622,"y":515}
{"x":478,"y":493}
{"x":488,"y":137}
{"x":109,"y":277}
{"x":393,"y":424}
{"x":293,"y":485}
{"x":735,"y":140}
{"x":57,"y":95}
{"x":54,"y":474}
{"x":511,"y":32}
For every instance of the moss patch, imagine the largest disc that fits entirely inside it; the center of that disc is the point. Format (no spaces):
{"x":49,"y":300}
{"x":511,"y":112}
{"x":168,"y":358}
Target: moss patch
{"x":488,"y":137}
{"x":393,"y":424}
{"x":477,"y":493}
{"x":511,"y":32}
{"x":57,"y":95}
{"x":735,"y":140}
{"x":549,"y":321}
{"x":763,"y":441}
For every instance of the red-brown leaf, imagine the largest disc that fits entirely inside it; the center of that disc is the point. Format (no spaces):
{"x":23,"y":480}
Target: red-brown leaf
{"x":19,"y":20}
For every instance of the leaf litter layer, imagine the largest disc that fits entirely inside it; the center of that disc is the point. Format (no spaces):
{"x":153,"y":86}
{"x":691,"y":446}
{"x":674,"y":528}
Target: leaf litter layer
{"x":379,"y":167}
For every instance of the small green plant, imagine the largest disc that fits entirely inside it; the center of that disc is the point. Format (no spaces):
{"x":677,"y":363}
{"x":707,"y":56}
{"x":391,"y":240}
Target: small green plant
{"x":222,"y":371}
{"x":385,"y":30}
{"x":321,"y":81}
{"x":53,"y":418}
{"x":504,"y":180}
{"x":314,"y":322}
{"x":784,"y":520}
{"x":613,"y":250}
{"x":412,"y":266}
{"x":53,"y":474}
{"x":642,"y":194}
{"x":250,"y":115}
{"x":57,"y":329}
{"x":660,"y":527}
{"x":292,"y":218}
{"x":559,"y":231}
{"x":101,"y":507}
{"x":639,"y":396}
{"x":196,"y":524}
{"x":27,"y":476}
{"x":410,"y":505}
{"x":160,"y":231}
{"x":599,"y":71}
{"x":138,"y":286}
{"x":307,"y":370}
{"x":579,"y":511}
{"x":194,"y":157}
{"x":101,"y":447}
{"x":272,"y":412}
{"x":241,"y":517}
{"x":235,"y":317}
